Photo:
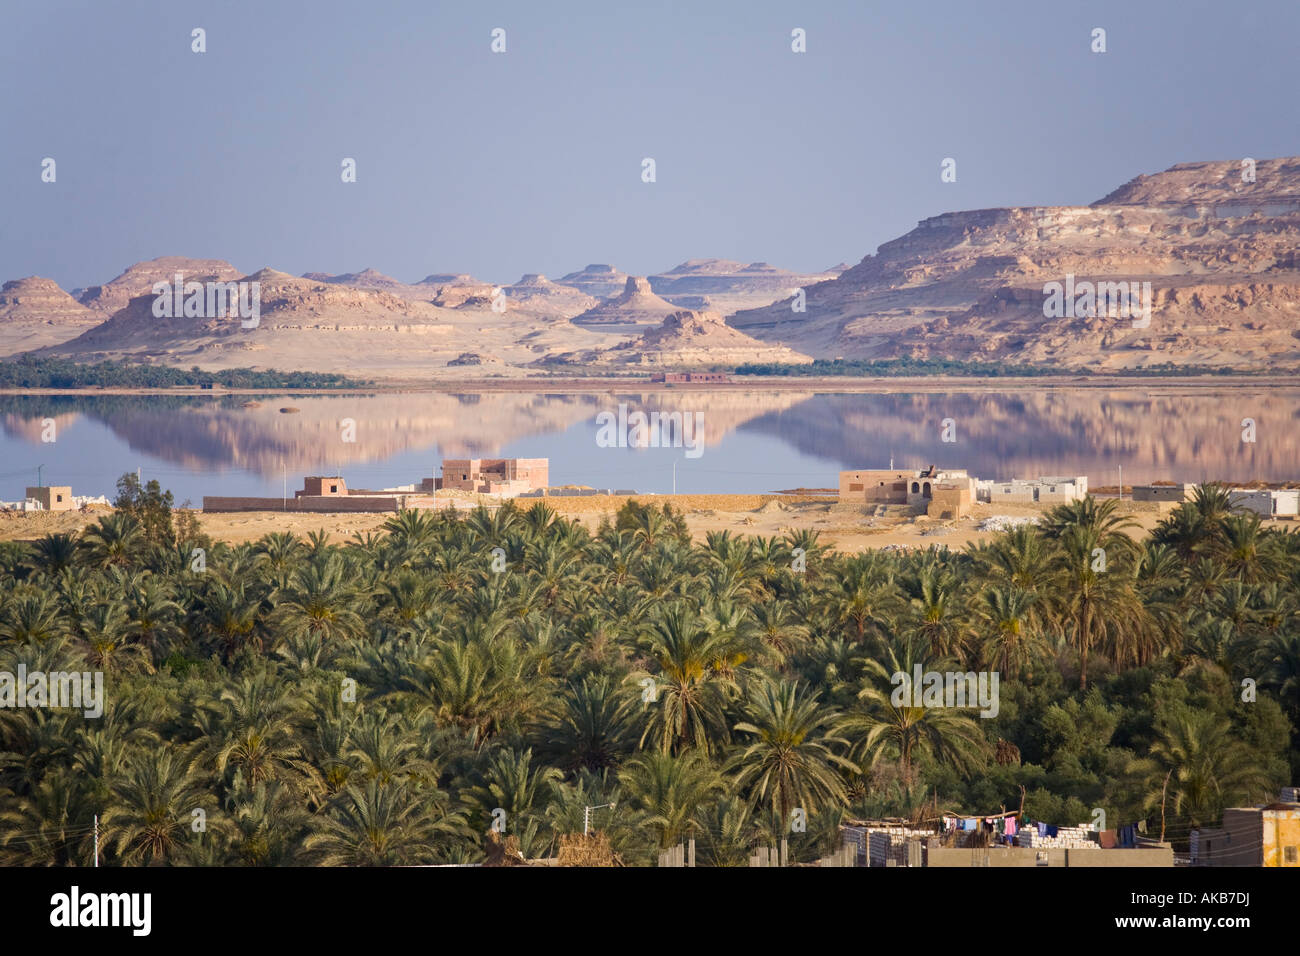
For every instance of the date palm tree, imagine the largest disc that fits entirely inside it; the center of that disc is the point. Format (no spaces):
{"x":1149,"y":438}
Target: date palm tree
{"x":53,"y":553}
{"x":595,"y":728}
{"x":890,"y":726}
{"x":1011,"y":639}
{"x":1206,"y":767}
{"x":511,"y":781}
{"x":671,"y":790}
{"x":230,"y":616}
{"x":150,"y":817}
{"x":118,"y":539}
{"x":379,"y":825}
{"x":791,"y":760}
{"x":323,"y":601}
{"x":31,"y":616}
{"x":1096,"y":600}
{"x":691,"y":694}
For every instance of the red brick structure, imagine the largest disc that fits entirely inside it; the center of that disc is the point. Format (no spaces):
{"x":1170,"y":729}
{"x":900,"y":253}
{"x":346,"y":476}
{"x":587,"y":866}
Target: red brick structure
{"x":315,"y":486}
{"x":691,"y":378}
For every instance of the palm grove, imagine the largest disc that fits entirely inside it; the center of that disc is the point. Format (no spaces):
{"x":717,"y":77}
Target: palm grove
{"x":382,"y":700}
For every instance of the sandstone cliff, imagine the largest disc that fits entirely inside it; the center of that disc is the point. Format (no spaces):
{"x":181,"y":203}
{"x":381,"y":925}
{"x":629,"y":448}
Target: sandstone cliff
{"x":140,"y":278}
{"x":35,"y":312}
{"x":1219,"y":255}
{"x":685,"y":339}
{"x":726,"y":286}
{"x":635,"y":307}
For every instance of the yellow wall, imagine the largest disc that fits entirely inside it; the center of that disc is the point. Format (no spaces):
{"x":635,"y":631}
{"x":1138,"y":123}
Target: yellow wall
{"x":1281,"y":830}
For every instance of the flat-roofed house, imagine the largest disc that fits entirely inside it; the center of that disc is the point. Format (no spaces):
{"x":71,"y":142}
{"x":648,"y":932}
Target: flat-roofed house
{"x":1252,"y":836}
{"x":53,"y":497}
{"x":1025,"y":491}
{"x":492,"y":476}
{"x":1165,"y":493}
{"x":1283,"y":503}
{"x":318,"y":486}
{"x":940,"y":492}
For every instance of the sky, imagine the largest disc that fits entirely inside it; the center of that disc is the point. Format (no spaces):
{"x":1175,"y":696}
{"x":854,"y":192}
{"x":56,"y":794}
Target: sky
{"x":500,"y":164}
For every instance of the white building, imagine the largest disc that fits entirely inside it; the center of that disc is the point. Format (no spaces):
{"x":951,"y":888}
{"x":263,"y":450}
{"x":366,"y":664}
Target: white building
{"x":1265,"y":503}
{"x":1027,"y":491}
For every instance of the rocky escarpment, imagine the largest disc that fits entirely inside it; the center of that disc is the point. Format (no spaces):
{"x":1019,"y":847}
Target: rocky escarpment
{"x":36,"y":312}
{"x":138,"y":279}
{"x":635,"y":307}
{"x":1217,"y":254}
{"x":685,"y":339}
{"x":284,"y":303}
{"x":598,"y":280}
{"x":537,"y":294}
{"x":729,"y":286}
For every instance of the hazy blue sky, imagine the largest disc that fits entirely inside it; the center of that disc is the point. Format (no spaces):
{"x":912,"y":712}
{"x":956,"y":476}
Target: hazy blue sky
{"x":530,"y":161}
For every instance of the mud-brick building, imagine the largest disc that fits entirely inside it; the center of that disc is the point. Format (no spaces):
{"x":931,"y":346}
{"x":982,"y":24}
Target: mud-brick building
{"x":940,"y":493}
{"x":320,"y":486}
{"x":53,"y":497}
{"x":492,"y":476}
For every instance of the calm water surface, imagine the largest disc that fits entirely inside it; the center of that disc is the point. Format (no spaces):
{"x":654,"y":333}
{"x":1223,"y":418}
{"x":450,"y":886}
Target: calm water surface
{"x":754,"y":440}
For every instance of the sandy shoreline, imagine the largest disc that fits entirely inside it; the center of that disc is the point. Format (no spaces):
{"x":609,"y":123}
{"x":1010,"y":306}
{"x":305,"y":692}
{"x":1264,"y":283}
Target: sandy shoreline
{"x":928,"y":383}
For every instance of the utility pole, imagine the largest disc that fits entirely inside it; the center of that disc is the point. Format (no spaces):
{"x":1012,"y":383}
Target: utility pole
{"x":1164,"y":792}
{"x":586,"y":816}
{"x":38,"y":476}
{"x":674,"y":476}
{"x":1121,"y":482}
{"x":96,"y":839}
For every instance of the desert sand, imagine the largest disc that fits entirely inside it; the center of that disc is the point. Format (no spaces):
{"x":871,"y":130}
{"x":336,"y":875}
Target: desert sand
{"x":846,"y":529}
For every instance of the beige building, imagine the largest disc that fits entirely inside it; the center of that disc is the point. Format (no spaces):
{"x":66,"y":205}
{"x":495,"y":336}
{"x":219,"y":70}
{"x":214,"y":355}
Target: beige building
{"x":53,"y":497}
{"x":941,"y":493}
{"x":317,"y":486}
{"x":492,"y":476}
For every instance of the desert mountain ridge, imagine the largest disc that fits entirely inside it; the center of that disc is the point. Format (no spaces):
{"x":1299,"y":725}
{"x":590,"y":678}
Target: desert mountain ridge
{"x":684,"y":338}
{"x":35,"y":312}
{"x":1208,"y":249}
{"x":1213,"y":253}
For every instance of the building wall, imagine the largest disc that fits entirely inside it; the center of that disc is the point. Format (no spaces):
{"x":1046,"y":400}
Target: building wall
{"x":952,"y":499}
{"x":1253,"y":836}
{"x":875,"y":486}
{"x":312,"y":503}
{"x":318,"y":485}
{"x":477,"y":474}
{"x":1015,"y":856}
{"x":1260,"y":502}
{"x":1027,"y":491}
{"x":1281,"y":832}
{"x":53,"y":497}
{"x":691,"y":377}
{"x":1284,"y":503}
{"x":1162,"y":492}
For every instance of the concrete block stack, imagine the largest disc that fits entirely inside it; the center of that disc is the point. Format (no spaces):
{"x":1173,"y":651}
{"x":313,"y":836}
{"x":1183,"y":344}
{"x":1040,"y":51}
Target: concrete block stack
{"x":890,"y":844}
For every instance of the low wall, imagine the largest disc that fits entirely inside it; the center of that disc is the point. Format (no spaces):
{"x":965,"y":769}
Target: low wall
{"x":316,"y":504}
{"x":1054,"y":856}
